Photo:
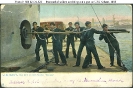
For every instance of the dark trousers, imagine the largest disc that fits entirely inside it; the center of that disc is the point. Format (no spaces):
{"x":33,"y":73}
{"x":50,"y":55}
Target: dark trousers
{"x":91,"y":48}
{"x":44,"y":45}
{"x":88,"y":61}
{"x":73,"y":47}
{"x":81,"y":46}
{"x":61,"y":43}
{"x":112,"y":51}
{"x":58,"y":49}
{"x":47,"y":40}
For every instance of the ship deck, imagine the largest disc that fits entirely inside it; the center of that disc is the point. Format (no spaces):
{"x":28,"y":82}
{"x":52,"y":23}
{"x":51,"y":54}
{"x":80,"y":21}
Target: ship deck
{"x":104,"y":58}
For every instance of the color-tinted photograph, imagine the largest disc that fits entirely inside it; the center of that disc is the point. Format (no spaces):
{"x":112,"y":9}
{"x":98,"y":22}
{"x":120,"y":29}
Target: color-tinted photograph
{"x":66,"y":38}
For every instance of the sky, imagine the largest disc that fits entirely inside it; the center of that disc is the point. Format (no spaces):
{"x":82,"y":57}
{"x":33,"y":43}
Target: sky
{"x":83,"y":13}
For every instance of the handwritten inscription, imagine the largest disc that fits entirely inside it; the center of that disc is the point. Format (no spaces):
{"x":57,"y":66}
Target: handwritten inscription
{"x":72,"y":81}
{"x":16,"y":82}
{"x":93,"y":80}
{"x":24,"y":82}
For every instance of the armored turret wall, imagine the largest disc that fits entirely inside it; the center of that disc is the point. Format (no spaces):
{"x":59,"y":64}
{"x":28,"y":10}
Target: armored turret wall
{"x":12,"y":17}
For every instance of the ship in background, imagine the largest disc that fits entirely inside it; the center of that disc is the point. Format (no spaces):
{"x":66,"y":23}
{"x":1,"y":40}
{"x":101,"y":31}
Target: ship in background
{"x":113,"y":24}
{"x":123,"y":23}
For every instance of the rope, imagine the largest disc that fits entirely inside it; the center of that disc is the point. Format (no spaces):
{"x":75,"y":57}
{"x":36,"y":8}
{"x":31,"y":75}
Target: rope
{"x":109,"y":40}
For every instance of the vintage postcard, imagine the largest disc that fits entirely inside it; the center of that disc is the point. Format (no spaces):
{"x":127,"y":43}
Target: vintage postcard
{"x":66,"y":45}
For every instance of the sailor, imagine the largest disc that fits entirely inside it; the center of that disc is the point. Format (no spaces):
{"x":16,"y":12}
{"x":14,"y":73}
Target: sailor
{"x":70,"y":40}
{"x":90,"y":45}
{"x":57,"y":45}
{"x":81,"y":45}
{"x":113,"y":45}
{"x":41,"y":41}
{"x":62,"y":36}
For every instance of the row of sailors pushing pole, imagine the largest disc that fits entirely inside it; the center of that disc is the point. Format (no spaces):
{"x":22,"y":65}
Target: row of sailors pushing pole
{"x":86,"y":39}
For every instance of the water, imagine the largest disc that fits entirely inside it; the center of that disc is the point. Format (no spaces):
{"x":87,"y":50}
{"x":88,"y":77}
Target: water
{"x":125,"y":43}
